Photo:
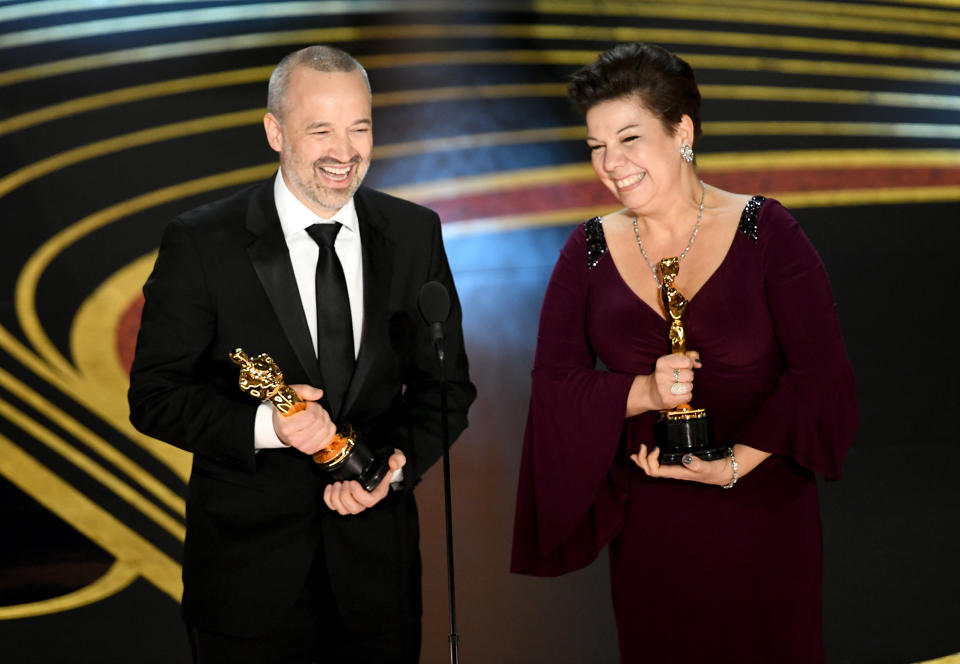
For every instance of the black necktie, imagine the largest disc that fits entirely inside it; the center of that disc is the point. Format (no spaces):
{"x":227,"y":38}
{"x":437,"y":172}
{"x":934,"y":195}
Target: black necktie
{"x":334,"y":323}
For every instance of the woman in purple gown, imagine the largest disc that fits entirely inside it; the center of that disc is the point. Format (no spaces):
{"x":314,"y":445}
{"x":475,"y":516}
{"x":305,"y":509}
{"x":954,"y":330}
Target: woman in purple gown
{"x":711,"y":561}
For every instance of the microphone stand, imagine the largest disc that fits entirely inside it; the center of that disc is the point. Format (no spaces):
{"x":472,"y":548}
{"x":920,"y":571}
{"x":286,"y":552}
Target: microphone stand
{"x":452,"y":637}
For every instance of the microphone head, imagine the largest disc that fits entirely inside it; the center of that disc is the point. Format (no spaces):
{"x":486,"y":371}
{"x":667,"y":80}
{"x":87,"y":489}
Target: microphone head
{"x":434,"y":302}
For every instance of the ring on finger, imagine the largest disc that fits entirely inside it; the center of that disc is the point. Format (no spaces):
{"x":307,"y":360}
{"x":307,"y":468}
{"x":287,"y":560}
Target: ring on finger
{"x":676,"y":375}
{"x":678,"y":388}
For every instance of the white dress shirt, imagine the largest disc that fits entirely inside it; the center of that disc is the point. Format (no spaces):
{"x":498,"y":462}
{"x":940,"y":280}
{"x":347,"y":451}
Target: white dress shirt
{"x":295,"y":217}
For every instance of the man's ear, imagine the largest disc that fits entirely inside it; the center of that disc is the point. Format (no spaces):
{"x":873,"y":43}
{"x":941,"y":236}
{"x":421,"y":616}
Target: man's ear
{"x":274,"y":131}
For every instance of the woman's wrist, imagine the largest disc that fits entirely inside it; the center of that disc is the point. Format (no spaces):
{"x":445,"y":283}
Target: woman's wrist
{"x":747,"y":458}
{"x":734,"y":469}
{"x":638,"y":398}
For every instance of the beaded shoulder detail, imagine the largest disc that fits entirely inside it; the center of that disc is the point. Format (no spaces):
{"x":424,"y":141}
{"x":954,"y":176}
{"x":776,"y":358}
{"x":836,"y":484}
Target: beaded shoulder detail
{"x":596,"y":241}
{"x":748,"y":219}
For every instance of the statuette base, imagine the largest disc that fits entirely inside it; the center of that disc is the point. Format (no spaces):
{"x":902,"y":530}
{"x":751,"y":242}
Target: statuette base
{"x":686,"y":431}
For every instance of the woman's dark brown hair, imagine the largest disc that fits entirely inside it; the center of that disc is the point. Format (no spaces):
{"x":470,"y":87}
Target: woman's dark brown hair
{"x":661,"y":81}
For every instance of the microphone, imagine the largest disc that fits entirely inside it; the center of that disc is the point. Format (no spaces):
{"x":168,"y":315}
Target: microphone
{"x":434,"y":306}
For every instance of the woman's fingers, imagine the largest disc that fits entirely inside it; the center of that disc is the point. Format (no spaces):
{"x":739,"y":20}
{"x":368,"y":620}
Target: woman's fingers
{"x":674,"y":378}
{"x":640,"y":458}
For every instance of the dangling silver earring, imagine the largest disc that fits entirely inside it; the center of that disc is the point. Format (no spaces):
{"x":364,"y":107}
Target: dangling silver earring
{"x":686,"y":152}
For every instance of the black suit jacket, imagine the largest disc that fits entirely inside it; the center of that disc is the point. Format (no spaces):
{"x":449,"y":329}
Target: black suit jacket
{"x":224,"y":279}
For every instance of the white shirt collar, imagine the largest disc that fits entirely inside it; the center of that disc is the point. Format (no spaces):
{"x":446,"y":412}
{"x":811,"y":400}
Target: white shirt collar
{"x":295,"y":216}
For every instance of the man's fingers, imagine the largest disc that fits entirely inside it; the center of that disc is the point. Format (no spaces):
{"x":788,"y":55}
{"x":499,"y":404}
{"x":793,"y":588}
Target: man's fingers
{"x":397,"y":461}
{"x":348,"y":497}
{"x":351,"y":498}
{"x":371,"y":498}
{"x":325,"y":436}
{"x":307,"y":392}
{"x":328,"y":497}
{"x":333,"y":496}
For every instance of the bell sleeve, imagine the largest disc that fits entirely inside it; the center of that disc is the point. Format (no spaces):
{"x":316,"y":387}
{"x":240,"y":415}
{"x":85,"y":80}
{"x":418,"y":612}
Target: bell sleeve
{"x":811,"y":414}
{"x":570,"y":492}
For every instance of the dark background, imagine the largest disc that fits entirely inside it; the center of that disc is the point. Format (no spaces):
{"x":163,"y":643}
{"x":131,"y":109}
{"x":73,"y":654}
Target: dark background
{"x":888,"y":240}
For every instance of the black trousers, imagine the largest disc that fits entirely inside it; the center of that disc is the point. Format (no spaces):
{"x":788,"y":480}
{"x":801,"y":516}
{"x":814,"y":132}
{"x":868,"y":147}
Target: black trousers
{"x":290,"y":646}
{"x":310,"y":633}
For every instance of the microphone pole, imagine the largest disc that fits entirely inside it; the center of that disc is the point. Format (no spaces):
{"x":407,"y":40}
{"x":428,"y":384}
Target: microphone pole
{"x":453,"y":637}
{"x":434,"y":305}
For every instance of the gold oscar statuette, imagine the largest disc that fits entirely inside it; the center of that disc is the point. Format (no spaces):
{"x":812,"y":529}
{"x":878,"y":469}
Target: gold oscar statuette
{"x":683,"y":430}
{"x":260,"y":377}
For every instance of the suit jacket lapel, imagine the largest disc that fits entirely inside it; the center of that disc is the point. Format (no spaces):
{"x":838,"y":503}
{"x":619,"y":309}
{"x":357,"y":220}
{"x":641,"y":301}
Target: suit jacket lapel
{"x":271,"y":259}
{"x":377,"y":270}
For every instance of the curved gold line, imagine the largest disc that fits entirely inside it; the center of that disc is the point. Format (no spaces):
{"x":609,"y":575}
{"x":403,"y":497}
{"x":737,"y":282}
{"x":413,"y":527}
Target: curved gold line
{"x":949,"y":659}
{"x":100,"y":148}
{"x":133,"y":94}
{"x":118,"y":577}
{"x":851,"y":158}
{"x":938,"y":3}
{"x":93,"y":335}
{"x":740,"y":40}
{"x":871,"y":196}
{"x":90,"y":519}
{"x":853,"y":10}
{"x":172,"y":457}
{"x":705,"y":11}
{"x":807,"y":128}
{"x":26,"y":285}
{"x":92,"y":468}
{"x":81,"y":433}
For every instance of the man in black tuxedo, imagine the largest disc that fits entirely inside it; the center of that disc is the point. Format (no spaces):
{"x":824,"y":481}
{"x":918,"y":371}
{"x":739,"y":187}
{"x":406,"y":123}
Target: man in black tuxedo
{"x":282,"y":564}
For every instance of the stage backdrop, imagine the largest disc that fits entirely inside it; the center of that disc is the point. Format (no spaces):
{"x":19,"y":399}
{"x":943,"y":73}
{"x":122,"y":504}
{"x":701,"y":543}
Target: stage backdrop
{"x":116,"y":115}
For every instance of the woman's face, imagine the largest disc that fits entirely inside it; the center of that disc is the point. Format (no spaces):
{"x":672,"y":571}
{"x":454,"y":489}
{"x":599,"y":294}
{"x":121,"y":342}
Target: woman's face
{"x":632,"y":153}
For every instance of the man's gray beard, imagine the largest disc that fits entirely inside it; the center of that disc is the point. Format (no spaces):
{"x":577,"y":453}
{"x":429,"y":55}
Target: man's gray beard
{"x":331,"y":200}
{"x":324,"y":197}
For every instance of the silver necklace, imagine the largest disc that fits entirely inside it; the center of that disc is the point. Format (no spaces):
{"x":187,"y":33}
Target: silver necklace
{"x":693,"y":236}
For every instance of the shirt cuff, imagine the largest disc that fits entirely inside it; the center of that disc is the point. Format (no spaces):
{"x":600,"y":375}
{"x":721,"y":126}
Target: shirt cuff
{"x":264,"y":435}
